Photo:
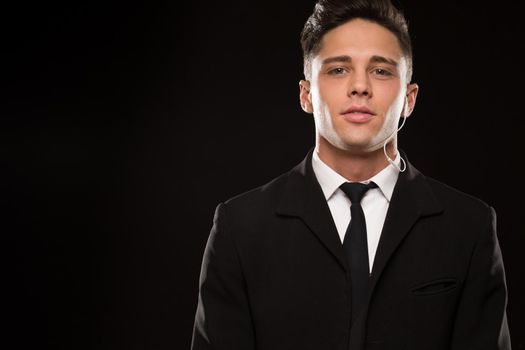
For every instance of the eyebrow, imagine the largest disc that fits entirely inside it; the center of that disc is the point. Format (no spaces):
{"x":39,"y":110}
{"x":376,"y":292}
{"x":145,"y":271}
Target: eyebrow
{"x":381,"y":59}
{"x":342,"y":59}
{"x":347,"y":59}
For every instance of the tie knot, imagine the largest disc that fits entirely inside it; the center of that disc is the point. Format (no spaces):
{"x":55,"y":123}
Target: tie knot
{"x":356,"y":190}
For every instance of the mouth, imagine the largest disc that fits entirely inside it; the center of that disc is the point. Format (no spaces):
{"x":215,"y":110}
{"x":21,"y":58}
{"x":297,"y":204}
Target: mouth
{"x":358,"y":114}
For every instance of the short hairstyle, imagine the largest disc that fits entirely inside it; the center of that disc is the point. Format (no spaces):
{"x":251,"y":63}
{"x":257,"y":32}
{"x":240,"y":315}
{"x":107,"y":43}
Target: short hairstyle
{"x":329,"y":14}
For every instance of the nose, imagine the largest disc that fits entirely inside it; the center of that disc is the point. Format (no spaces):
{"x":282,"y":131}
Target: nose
{"x":359,"y":85}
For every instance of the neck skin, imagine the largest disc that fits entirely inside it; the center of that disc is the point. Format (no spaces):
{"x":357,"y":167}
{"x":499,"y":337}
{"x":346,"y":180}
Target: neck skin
{"x":355,"y":165}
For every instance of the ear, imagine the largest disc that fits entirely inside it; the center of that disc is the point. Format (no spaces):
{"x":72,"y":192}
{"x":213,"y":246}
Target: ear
{"x":410,"y":100}
{"x":305,"y":96}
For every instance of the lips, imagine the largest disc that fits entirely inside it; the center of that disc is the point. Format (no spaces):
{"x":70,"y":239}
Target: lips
{"x":358,"y":114}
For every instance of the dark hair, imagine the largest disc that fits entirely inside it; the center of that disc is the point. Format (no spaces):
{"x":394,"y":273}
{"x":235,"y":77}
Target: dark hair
{"x":329,"y":14}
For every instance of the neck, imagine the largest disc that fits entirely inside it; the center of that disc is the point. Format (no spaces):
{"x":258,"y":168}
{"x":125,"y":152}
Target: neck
{"x":355,"y":166}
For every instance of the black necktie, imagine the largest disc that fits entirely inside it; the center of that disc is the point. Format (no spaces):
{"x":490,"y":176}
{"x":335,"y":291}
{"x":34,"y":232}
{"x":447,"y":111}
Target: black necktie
{"x":356,"y":246}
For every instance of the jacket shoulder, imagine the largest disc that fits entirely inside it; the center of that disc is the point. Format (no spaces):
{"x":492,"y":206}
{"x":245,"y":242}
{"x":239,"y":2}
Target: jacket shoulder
{"x":454,"y":198}
{"x":263,"y":196}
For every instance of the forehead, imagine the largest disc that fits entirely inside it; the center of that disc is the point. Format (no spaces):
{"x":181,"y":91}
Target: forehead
{"x":360,"y":38}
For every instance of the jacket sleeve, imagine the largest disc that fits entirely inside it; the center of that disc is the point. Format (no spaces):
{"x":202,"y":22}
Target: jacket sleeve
{"x":481,"y":320}
{"x":223,"y":320}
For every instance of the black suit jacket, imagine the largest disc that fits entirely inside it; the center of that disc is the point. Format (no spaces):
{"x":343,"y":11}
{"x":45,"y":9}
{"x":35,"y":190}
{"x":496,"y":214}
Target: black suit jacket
{"x":274,"y":274}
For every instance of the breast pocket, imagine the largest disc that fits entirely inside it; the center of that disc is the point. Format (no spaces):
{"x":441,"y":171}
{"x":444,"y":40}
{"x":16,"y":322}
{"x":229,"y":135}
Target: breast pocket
{"x":436,"y":286}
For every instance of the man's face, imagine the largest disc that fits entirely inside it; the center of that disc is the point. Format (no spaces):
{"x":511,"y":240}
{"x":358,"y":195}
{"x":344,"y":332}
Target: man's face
{"x":358,"y":88}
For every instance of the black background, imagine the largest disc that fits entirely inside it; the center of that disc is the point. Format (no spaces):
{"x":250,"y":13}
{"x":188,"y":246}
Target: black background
{"x":125,"y":124}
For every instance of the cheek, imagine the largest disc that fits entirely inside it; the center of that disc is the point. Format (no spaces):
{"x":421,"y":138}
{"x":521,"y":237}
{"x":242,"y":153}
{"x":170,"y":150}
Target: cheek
{"x":329,"y":97}
{"x":391,"y":101}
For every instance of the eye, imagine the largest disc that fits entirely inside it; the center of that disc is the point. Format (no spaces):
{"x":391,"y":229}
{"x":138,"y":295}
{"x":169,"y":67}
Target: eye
{"x":337,"y":71}
{"x":382,"y":72}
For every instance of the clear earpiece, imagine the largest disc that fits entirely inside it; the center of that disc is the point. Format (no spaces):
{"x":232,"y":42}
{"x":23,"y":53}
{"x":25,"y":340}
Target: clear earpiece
{"x":403,"y":166}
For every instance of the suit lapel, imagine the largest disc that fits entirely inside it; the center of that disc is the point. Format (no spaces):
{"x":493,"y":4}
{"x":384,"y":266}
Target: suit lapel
{"x":303,"y":198}
{"x":412,"y":199}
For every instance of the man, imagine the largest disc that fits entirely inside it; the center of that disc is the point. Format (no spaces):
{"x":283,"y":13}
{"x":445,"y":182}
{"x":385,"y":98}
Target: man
{"x":354,"y":248}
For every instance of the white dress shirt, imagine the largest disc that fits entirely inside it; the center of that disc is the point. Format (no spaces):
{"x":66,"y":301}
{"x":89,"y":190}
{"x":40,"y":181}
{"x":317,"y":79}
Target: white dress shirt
{"x":374,"y":203}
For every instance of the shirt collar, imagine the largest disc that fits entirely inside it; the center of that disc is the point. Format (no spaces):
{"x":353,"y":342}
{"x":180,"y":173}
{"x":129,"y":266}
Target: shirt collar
{"x":330,"y":180}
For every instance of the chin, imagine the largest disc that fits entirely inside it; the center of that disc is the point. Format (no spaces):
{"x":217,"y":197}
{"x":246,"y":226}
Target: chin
{"x":365,"y":146}
{"x":356,"y":143}
{"x":353,"y":147}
